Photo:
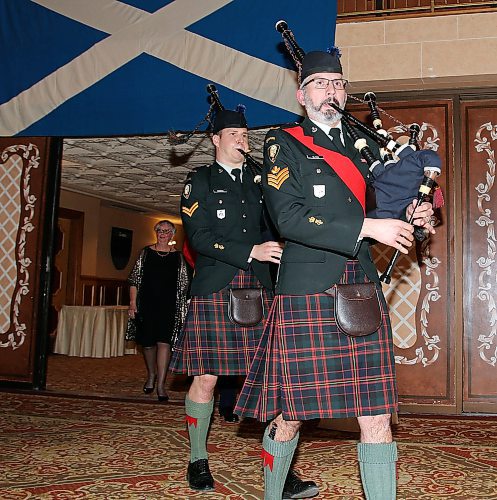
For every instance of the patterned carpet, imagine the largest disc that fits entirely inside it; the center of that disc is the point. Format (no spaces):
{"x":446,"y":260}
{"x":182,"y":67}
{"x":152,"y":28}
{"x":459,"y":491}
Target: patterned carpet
{"x":117,"y":378}
{"x":67,"y":448}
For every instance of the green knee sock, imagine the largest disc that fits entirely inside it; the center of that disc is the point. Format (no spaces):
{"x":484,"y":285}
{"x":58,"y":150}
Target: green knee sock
{"x":280,"y":454}
{"x":198,"y":418}
{"x":378,"y":472}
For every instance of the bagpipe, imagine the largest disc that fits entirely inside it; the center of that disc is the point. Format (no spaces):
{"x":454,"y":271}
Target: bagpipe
{"x":402,"y":173}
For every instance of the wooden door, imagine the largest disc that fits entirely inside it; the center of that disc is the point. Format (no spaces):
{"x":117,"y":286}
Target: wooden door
{"x":479,"y":209}
{"x":66,"y":276}
{"x":420,"y":295}
{"x":29,"y":178}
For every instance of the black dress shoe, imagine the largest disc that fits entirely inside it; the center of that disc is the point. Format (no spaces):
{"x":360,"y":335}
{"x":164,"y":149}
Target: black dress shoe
{"x":149,"y":390}
{"x":296,"y":488}
{"x":230,"y":417}
{"x":162,"y":399}
{"x":199,"y":476}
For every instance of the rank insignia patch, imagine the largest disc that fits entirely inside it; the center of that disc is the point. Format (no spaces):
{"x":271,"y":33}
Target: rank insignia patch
{"x":277,"y":177}
{"x":191,"y":210}
{"x":273,"y":151}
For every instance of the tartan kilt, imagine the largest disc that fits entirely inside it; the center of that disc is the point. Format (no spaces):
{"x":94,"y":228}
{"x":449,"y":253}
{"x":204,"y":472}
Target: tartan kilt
{"x":209,"y":342}
{"x":305,"y":368}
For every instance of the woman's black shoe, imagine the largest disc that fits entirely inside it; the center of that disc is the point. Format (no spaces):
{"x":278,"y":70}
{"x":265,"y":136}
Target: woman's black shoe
{"x":162,"y":399}
{"x":147,"y":389}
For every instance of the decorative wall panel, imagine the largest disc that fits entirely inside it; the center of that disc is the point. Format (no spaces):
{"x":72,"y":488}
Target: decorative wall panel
{"x":480,"y":285}
{"x":23,"y":174}
{"x":419,"y":295}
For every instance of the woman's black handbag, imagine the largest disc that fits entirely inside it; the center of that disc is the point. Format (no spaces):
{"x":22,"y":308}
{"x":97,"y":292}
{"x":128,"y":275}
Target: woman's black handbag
{"x":245,"y":306}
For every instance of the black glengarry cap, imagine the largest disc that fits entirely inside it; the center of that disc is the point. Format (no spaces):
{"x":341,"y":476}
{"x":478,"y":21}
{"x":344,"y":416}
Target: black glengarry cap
{"x":228,"y":119}
{"x":320,"y":62}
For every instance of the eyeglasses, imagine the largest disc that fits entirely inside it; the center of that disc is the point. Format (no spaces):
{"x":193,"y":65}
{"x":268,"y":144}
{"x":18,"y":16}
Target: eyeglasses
{"x":324,"y":83}
{"x":163,"y":231}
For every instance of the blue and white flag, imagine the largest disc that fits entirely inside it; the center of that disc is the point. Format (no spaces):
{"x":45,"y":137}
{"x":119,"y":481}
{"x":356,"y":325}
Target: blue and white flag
{"x":76,"y":68}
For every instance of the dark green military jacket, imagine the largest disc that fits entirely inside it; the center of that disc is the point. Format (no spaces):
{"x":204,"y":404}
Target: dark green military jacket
{"x":314,"y":211}
{"x":222,"y":220}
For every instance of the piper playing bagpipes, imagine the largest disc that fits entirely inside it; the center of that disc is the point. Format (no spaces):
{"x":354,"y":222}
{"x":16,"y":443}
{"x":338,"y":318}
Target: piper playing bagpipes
{"x":327,"y":349}
{"x":221,"y":211}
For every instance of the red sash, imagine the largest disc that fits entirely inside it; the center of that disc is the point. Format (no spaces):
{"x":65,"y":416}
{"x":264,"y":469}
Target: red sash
{"x":343,"y":166}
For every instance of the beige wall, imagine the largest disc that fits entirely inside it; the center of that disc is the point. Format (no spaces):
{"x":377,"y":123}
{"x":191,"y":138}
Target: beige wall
{"x":457,"y":51}
{"x":99,"y":220}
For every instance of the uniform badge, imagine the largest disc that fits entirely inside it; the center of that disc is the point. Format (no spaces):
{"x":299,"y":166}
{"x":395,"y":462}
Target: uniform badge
{"x":315,"y":220}
{"x":221,"y":214}
{"x":319,"y":190}
{"x":191,"y":210}
{"x":273,"y":151}
{"x":277,"y":177}
{"x":314,"y":129}
{"x":187,"y":190}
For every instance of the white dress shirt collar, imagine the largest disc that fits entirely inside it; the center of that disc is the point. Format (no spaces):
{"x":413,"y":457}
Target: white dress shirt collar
{"x":229,"y":169}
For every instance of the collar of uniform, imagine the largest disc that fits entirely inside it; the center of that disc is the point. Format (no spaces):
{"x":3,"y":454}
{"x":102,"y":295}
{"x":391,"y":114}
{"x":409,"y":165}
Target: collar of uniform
{"x":326,"y":129}
{"x":229,"y":169}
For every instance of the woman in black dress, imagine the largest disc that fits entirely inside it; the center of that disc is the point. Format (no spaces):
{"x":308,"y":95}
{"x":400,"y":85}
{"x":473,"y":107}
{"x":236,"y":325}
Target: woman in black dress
{"x":158,"y":292}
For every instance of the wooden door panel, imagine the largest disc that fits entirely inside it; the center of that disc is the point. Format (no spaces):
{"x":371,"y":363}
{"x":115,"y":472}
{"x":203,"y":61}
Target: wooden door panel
{"x":25,"y":166}
{"x":419,"y":295}
{"x":479,"y":300}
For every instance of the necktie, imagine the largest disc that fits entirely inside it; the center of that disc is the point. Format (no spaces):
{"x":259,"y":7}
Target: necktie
{"x":236,"y":173}
{"x":337,"y":140}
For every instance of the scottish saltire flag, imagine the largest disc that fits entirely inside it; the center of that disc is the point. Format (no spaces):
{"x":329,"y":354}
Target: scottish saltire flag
{"x":129,"y":67}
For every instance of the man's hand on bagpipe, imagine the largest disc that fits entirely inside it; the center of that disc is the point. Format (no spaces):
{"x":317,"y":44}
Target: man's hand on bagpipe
{"x":421,"y":215}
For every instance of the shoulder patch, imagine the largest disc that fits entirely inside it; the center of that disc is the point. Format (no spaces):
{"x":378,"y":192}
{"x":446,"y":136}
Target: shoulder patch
{"x":273,"y":151}
{"x":187,"y":190}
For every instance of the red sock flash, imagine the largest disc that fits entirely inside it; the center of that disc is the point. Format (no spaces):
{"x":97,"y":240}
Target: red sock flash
{"x":267,"y":459}
{"x":191,"y":421}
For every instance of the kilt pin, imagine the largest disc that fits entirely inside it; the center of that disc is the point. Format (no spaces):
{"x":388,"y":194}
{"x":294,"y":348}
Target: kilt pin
{"x":305,"y":368}
{"x":210,"y":343}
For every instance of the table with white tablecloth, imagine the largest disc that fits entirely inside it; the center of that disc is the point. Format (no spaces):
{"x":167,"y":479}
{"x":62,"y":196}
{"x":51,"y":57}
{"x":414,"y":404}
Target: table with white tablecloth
{"x":93,"y":331}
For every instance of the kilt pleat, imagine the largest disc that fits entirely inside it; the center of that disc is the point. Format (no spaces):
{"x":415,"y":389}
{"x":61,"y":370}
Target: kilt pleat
{"x":209,"y":342}
{"x":305,"y":368}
